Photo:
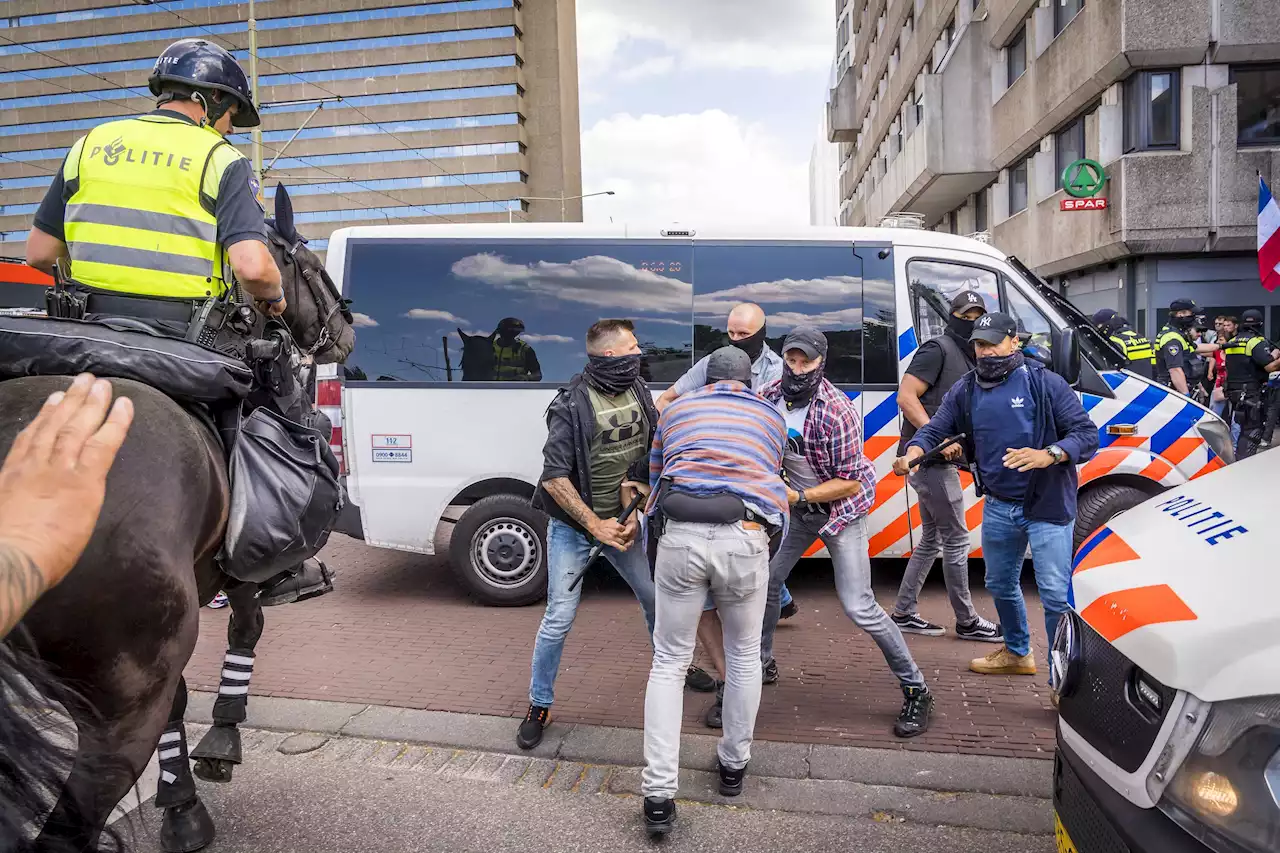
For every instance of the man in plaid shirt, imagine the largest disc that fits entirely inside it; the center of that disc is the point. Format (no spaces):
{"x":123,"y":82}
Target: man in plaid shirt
{"x":831,"y":485}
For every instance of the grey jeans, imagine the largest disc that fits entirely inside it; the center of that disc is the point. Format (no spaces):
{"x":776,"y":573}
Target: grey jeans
{"x":733,"y":562}
{"x":852,"y":568}
{"x":943,"y":531}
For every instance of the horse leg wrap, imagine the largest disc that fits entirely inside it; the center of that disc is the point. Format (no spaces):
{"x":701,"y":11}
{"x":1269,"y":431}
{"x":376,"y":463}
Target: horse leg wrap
{"x":231,"y":706}
{"x":176,"y":783}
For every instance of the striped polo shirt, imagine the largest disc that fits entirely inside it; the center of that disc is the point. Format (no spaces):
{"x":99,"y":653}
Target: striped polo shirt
{"x":723,"y":439}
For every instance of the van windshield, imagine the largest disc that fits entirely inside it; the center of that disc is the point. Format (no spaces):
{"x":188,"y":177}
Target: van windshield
{"x":1093,"y":346}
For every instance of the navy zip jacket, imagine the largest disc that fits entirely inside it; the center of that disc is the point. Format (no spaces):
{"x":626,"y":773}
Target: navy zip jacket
{"x":1060,"y":420}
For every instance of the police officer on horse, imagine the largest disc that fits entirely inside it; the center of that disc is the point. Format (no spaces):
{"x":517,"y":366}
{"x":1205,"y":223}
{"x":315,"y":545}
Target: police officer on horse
{"x":1136,"y":348}
{"x":1250,"y":358}
{"x":156,"y":218}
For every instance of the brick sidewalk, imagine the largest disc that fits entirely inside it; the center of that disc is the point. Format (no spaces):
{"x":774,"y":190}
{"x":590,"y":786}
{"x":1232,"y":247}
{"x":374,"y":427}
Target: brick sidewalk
{"x":399,"y":631}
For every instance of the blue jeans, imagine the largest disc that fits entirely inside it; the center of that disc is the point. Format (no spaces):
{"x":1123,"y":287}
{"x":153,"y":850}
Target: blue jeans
{"x":567,"y":551}
{"x":1220,"y":409}
{"x":1005,"y":536}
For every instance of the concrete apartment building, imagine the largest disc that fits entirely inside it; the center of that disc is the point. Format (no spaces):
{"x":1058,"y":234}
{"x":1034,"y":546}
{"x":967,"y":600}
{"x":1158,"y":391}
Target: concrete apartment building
{"x":967,"y":112}
{"x":450,"y":111}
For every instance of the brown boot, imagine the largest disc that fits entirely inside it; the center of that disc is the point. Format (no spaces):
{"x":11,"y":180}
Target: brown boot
{"x":1004,"y":662}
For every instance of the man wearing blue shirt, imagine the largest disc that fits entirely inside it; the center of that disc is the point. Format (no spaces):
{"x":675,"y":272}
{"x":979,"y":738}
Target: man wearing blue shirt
{"x":1026,"y":433}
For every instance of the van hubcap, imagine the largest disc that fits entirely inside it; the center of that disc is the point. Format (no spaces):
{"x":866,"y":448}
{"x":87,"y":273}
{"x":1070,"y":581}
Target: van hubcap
{"x":505,"y":552}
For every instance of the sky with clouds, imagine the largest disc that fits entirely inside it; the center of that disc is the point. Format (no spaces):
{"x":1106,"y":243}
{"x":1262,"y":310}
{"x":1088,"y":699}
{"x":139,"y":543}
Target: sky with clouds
{"x":697,"y":111}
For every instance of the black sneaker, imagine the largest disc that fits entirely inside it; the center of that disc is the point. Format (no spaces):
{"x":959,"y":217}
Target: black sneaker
{"x":770,"y":673}
{"x":700,"y":680}
{"x":659,"y":815}
{"x":980,"y":631}
{"x":714,"y":718}
{"x":789,"y":609}
{"x":917,"y":706}
{"x":731,"y":781}
{"x":917,"y":624}
{"x":530,"y":733}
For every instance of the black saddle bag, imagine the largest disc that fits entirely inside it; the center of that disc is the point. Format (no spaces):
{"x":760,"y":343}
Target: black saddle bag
{"x":187,"y":372}
{"x":285,"y":497}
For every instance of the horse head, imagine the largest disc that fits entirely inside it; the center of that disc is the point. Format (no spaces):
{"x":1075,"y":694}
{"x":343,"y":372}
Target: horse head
{"x":316,"y":314}
{"x":478,"y":362}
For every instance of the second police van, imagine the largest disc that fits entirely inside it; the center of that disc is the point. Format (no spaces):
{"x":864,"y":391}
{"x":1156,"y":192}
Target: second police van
{"x":428,"y":435}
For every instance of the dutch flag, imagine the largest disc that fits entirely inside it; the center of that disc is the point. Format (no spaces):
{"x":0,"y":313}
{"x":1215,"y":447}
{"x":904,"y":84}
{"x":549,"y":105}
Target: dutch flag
{"x":1268,"y":237}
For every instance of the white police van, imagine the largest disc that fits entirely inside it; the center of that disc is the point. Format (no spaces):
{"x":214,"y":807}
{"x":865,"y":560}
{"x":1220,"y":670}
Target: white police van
{"x":428,"y":435}
{"x":1168,"y":675}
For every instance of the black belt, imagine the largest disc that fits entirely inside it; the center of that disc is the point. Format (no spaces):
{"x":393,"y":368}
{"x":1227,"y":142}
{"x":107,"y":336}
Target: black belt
{"x":705,"y":509}
{"x":122,"y":305}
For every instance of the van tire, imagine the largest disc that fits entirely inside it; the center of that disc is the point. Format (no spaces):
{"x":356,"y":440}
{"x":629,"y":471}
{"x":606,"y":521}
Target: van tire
{"x":1100,"y":504}
{"x":499,"y":551}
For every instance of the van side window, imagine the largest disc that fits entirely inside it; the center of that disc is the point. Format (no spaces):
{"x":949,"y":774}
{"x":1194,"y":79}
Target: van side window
{"x":817,"y":285}
{"x":879,"y":309}
{"x":933,"y":284}
{"x":1034,"y":329}
{"x":512,"y":311}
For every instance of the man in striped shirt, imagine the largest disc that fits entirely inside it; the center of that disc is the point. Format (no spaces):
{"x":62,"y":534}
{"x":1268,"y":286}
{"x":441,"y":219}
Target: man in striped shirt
{"x":716,"y":494}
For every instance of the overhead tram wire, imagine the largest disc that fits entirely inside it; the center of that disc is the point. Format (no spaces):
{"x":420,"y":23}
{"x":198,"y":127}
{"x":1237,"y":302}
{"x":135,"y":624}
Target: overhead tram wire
{"x":120,"y":87}
{"x":313,"y":84}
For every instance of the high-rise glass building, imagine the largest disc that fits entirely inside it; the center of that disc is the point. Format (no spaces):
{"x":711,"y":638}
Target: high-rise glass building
{"x":430,"y":112}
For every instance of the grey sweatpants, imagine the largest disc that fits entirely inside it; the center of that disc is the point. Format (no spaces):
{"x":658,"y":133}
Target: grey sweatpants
{"x":852,"y":566}
{"x":733,"y":563}
{"x":942,"y":531}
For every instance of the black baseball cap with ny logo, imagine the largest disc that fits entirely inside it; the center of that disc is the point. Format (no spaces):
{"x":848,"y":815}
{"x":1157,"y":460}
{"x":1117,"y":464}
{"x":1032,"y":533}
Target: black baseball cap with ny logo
{"x":994,"y":328}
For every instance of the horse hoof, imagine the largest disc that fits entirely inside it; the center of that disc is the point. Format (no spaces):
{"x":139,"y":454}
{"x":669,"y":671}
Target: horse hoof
{"x":222,"y":742}
{"x":214,"y":770}
{"x":186,"y":829}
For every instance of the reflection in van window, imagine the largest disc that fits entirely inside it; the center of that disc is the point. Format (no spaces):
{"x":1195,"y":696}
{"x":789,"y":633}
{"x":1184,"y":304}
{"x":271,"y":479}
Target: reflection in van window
{"x":879,"y":308}
{"x":1034,"y":331}
{"x":933,"y":284}
{"x":512,"y":311}
{"x":796,"y":285}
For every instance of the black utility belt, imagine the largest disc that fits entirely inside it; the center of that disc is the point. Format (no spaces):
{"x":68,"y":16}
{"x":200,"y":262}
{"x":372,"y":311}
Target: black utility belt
{"x":813,"y":509}
{"x":706,"y":509}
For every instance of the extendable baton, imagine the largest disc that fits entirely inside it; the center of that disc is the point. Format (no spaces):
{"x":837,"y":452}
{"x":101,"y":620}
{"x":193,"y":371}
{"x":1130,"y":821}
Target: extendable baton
{"x":598,"y":548}
{"x":930,"y":454}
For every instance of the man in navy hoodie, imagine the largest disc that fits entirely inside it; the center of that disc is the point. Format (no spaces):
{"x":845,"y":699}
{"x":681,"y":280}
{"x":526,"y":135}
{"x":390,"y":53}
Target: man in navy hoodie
{"x":1026,"y":433}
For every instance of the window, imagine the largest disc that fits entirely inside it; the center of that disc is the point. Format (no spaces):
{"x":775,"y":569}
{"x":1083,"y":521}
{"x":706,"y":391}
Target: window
{"x":1018,"y":186}
{"x":1257,"y":104}
{"x":451,"y":123}
{"x":848,"y":295}
{"x":378,"y":184}
{"x":842,"y":35}
{"x":1151,"y":120}
{"x":953,"y":222}
{"x":1017,"y":58}
{"x":407,"y":211}
{"x":393,"y":156}
{"x":430,"y":307}
{"x":1033,"y":327}
{"x":1064,"y":12}
{"x":933,"y":284}
{"x":980,"y":211}
{"x":1068,"y":148}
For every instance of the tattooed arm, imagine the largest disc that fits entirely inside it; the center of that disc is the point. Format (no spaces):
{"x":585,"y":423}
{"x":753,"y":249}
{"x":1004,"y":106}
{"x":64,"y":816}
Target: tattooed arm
{"x":52,"y":485}
{"x":607,"y":530}
{"x":21,"y":583}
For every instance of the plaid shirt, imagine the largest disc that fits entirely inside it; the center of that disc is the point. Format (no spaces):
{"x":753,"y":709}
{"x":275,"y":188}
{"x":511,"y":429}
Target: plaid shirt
{"x":833,"y":448}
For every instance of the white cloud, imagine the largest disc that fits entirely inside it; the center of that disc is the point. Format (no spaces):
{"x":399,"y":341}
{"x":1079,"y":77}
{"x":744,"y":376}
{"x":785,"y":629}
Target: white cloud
{"x":694,"y":168}
{"x":798,"y":35}
{"x":432,"y":314}
{"x":594,"y":280}
{"x":547,"y":339}
{"x":835,"y":290}
{"x":362,"y":321}
{"x":654,"y":66}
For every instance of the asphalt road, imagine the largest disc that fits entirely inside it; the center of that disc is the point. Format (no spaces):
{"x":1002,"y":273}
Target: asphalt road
{"x":344,"y":795}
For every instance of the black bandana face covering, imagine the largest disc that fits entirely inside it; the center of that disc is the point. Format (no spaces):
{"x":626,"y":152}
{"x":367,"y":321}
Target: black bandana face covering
{"x":994,"y":369}
{"x":612,"y":374}
{"x":798,"y":388}
{"x":752,"y":346}
{"x":960,"y":327}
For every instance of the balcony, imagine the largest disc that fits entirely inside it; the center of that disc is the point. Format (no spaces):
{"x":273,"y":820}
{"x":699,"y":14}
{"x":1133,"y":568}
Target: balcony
{"x":843,"y":122}
{"x":940,"y":157}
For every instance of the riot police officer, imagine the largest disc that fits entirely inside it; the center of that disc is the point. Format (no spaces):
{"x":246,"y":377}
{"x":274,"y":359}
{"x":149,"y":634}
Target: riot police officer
{"x":1174,"y":348}
{"x":1136,"y":348}
{"x":1250,"y":358}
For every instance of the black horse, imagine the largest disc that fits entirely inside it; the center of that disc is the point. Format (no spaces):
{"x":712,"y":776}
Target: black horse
{"x":117,"y":633}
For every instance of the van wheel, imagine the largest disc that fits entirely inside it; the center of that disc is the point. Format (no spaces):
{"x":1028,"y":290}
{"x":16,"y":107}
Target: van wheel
{"x":499,"y":551}
{"x":1100,"y":504}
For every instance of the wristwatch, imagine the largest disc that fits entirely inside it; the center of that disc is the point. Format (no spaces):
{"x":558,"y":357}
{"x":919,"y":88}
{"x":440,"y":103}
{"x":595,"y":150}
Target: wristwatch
{"x":1057,"y":453}
{"x":800,"y":497}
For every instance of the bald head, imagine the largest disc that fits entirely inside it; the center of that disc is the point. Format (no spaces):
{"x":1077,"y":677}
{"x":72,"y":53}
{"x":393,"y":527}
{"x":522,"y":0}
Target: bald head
{"x":745,"y":320}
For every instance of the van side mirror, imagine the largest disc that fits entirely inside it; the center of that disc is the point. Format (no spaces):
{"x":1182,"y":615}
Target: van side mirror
{"x":1066,"y":356}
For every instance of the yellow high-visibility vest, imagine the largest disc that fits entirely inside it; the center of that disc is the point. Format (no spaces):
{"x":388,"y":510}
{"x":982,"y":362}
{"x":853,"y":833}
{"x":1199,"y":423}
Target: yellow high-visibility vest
{"x":141,"y":195}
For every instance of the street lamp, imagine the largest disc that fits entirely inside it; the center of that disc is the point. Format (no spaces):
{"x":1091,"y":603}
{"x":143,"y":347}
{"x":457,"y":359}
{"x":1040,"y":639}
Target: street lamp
{"x":562,"y":198}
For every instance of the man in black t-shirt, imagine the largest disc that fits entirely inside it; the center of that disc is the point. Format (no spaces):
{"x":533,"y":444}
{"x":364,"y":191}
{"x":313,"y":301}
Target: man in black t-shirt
{"x":936,"y":366}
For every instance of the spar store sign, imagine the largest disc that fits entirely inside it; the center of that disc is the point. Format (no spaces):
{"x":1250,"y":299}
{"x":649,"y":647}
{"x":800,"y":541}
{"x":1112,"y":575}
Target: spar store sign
{"x":1083,"y":180}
